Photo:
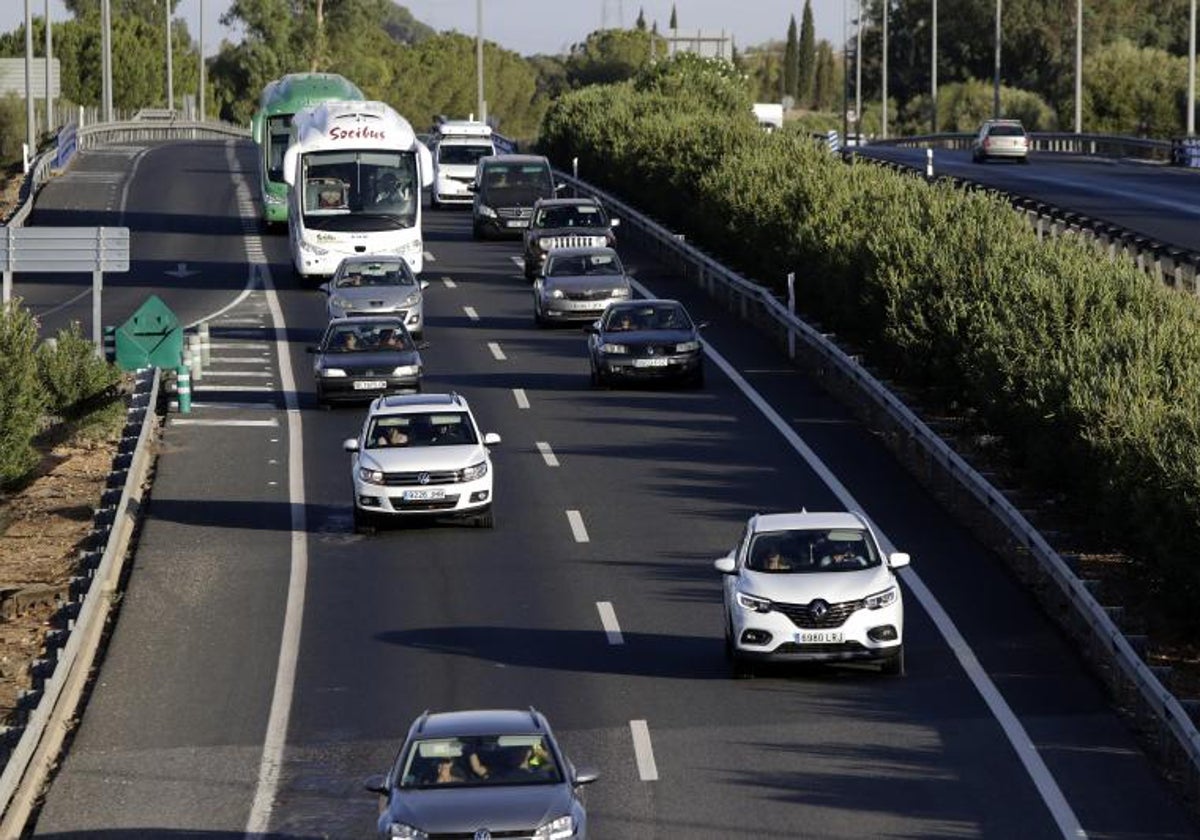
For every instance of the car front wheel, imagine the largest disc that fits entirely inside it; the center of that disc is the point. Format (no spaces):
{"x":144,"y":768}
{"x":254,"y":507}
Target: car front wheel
{"x":364,"y":523}
{"x":894,"y":667}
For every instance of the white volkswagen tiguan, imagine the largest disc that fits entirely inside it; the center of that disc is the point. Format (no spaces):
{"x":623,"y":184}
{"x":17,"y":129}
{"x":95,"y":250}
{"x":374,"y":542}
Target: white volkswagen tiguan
{"x":421,"y":455}
{"x":812,"y":587}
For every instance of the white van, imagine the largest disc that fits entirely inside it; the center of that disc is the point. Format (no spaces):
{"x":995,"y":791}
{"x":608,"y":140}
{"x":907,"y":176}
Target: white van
{"x":457,"y":147}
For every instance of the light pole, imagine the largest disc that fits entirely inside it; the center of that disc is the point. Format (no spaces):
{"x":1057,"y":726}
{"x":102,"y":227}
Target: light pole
{"x":933,"y":70}
{"x":480,"y":101}
{"x":845,"y":72}
{"x":30,"y":136}
{"x":49,"y":63}
{"x":1191,"y":108}
{"x":858,"y":75}
{"x":170,"y":79}
{"x":106,"y":82}
{"x":996,"y":87}
{"x":1079,"y":66}
{"x":883,"y":117}
{"x":201,"y":96}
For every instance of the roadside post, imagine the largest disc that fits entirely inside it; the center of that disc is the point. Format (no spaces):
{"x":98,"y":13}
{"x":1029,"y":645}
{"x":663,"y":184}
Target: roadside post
{"x":183,"y":389}
{"x":197,"y":364}
{"x":929,"y":164}
{"x":791,"y":289}
{"x":205,"y":343}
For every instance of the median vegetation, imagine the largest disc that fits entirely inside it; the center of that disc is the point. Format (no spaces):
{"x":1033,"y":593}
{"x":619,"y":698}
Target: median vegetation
{"x":1088,"y":370}
{"x":56,"y":385}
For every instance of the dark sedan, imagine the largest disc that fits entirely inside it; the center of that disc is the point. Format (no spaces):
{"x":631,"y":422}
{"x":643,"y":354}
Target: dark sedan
{"x":482,"y":773}
{"x":361,"y":358}
{"x":646,"y":340}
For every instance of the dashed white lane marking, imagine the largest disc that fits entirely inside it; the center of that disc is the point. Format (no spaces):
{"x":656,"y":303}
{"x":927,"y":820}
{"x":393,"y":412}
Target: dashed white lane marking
{"x":450,"y":284}
{"x":238,"y":345}
{"x":187,"y":421}
{"x":430,"y":257}
{"x":608,"y":619}
{"x":236,"y":406}
{"x":547,"y":454}
{"x":259,"y":374}
{"x":245,"y":360}
{"x":204,"y":386}
{"x":519,"y":262}
{"x":497,"y":353}
{"x":644,"y":752}
{"x":238,"y":322}
{"x":471,"y":313}
{"x":578,"y":529}
{"x":522,"y":400}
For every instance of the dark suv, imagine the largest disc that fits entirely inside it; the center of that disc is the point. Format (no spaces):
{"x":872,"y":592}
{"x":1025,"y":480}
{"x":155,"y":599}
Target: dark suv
{"x":505,"y":188}
{"x":565,"y":223}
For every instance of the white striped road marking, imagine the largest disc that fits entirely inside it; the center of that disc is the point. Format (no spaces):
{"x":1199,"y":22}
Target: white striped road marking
{"x":644,"y":752}
{"x":1039,"y":773}
{"x":547,"y":454}
{"x":204,"y":386}
{"x":265,"y":358}
{"x":522,"y":400}
{"x":239,"y":322}
{"x":237,"y":345}
{"x":518,"y":261}
{"x":236,"y":406}
{"x":578,"y":529}
{"x":252,"y":276}
{"x":471,"y":313}
{"x":450,"y":284}
{"x":254,"y":374}
{"x":608,"y":619}
{"x":430,"y":257}
{"x":185,"y":421}
{"x":497,"y":353}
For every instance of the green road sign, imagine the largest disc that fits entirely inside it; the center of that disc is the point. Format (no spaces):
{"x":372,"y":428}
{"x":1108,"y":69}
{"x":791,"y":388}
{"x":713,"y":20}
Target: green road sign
{"x":151,"y":337}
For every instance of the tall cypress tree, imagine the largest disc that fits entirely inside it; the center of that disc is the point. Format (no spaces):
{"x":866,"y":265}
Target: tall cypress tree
{"x":674,"y":20}
{"x":641,"y":20}
{"x":807,"y":62}
{"x":790,"y":65}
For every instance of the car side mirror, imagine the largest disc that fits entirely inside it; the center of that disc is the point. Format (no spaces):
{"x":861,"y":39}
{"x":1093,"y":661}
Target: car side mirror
{"x":726,"y":565}
{"x":324,"y":287}
{"x":422,"y":345}
{"x":559,"y":187}
{"x":898,"y":560}
{"x":491,"y":439}
{"x":702,"y":325}
{"x":585,"y":776}
{"x":591,"y":329}
{"x":350,"y":444}
{"x":424,"y":285}
{"x":472,"y":188}
{"x":614,"y":222}
{"x":377,"y":784}
{"x":310,"y":349}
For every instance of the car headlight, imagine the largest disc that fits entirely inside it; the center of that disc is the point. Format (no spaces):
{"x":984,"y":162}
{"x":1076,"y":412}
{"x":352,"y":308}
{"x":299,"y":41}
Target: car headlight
{"x":687,"y":347}
{"x":407,"y":370}
{"x":545,"y":244}
{"x":332,"y":373}
{"x":400,"y":831}
{"x":473,"y":472}
{"x":562,"y":828}
{"x":881,"y":599}
{"x":486,"y":211}
{"x":411,"y":300}
{"x":622,"y":292}
{"x":614,"y":349}
{"x":370,"y":476}
{"x":317,"y":250}
{"x":341,"y":302}
{"x":754,"y":604}
{"x":557,"y":294}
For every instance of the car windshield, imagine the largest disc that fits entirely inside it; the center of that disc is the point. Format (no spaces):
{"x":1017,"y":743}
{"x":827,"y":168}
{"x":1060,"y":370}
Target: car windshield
{"x":374,"y":274}
{"x":367,"y":338}
{"x":578,"y":265}
{"x":516,"y":176}
{"x":582,"y":215}
{"x":452,"y":428}
{"x":479,"y":761}
{"x":819,"y":550}
{"x":659,"y":316}
{"x":455,"y":154}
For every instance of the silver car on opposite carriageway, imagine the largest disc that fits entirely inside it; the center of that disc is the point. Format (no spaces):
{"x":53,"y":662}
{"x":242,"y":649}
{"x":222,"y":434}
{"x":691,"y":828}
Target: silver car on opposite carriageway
{"x":374,"y":285}
{"x":578,"y":284}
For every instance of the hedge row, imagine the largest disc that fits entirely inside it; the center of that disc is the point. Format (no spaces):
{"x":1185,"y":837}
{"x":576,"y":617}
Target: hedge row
{"x":1087,"y":369}
{"x":39,"y":382}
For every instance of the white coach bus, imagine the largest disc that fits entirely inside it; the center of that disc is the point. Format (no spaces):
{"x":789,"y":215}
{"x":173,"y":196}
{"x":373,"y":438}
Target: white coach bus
{"x":354,"y":172}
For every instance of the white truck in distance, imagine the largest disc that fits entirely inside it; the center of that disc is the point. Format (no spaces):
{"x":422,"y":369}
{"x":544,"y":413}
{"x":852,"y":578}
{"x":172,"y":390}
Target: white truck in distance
{"x":354,"y":172}
{"x":457,"y":147}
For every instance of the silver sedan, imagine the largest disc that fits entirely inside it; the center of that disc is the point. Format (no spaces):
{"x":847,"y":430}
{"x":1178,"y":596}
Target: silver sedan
{"x":369,"y":285}
{"x":578,"y":284}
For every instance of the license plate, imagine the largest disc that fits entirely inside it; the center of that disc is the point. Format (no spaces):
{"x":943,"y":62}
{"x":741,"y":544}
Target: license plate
{"x":517,"y":223}
{"x":820,"y":637}
{"x":585,"y":307}
{"x":369,"y":385}
{"x":651,"y":362}
{"x":423,"y":495}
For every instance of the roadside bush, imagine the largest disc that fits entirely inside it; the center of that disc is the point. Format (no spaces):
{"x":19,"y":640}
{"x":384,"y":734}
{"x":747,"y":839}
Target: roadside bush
{"x":12,"y":128}
{"x":21,"y":396}
{"x":71,"y":373}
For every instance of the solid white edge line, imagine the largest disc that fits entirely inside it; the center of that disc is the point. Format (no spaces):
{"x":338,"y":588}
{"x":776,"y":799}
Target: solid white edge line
{"x":252,"y":275}
{"x":578,"y":529}
{"x":497,"y":353}
{"x":519,"y":396}
{"x":608,"y":620}
{"x":643,"y":751}
{"x":547,"y":454}
{"x":471,"y":313}
{"x":1031,"y":759}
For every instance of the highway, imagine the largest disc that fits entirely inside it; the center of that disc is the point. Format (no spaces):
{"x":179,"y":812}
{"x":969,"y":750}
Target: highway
{"x":255,"y":616}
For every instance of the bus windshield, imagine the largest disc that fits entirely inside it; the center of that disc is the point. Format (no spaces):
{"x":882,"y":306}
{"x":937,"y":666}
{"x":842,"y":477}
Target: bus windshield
{"x":354,"y":191}
{"x":279,"y":131}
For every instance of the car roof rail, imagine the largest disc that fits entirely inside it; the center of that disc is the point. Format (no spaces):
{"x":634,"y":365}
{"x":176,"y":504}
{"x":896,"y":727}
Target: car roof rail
{"x":456,"y":398}
{"x":537,"y":717}
{"x":424,"y":716}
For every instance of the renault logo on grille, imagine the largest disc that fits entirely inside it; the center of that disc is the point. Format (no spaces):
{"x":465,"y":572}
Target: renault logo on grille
{"x":649,"y":351}
{"x":422,"y":478}
{"x":483,"y":834}
{"x":819,"y":609}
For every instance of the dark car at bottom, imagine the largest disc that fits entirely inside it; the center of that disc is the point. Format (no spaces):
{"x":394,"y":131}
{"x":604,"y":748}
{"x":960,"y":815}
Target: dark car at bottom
{"x":487,"y":773}
{"x":364,"y":357}
{"x":645,"y":341}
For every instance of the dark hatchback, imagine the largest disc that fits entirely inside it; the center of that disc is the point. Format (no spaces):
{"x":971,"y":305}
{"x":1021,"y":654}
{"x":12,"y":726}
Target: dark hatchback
{"x":480,"y":774}
{"x":646,"y":340}
{"x":361,"y":358}
{"x":506,"y":188}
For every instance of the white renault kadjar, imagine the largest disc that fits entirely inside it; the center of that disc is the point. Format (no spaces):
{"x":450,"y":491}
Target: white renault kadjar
{"x":812,"y":587}
{"x":421,"y":455}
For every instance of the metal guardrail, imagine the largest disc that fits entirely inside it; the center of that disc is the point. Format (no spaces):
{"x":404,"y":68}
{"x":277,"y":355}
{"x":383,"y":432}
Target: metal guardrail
{"x":61,"y":676}
{"x":1095,"y":145}
{"x":1135,"y":685}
